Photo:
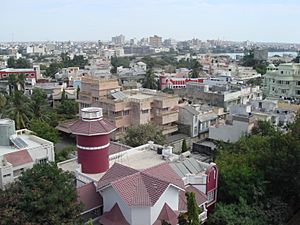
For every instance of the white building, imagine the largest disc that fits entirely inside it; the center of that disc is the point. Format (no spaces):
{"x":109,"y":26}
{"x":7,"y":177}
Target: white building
{"x":20,"y":150}
{"x":239,"y":126}
{"x":282,"y":81}
{"x":198,"y":119}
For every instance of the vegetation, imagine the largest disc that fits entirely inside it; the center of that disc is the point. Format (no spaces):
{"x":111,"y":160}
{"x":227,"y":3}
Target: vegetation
{"x":44,"y":130}
{"x":150,"y":80}
{"x":18,"y":64}
{"x":193,"y":210}
{"x":141,"y":134}
{"x":64,"y":153}
{"x":252,"y":174}
{"x":68,"y":109}
{"x":297,"y":59}
{"x":259,"y":65}
{"x":184,"y":147}
{"x":50,"y":192}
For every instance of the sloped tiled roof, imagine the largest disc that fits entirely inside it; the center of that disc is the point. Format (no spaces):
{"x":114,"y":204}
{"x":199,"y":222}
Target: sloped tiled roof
{"x":168,"y":215}
{"x":113,"y":217}
{"x":116,"y":147}
{"x":18,"y":158}
{"x":93,"y":127}
{"x":88,"y":196}
{"x":140,"y":188}
{"x":165,"y":172}
{"x":200,"y":197}
{"x":116,"y":172}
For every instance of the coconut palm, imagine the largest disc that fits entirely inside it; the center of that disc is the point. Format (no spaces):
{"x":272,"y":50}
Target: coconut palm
{"x":150,"y":81}
{"x":18,"y":109}
{"x":39,"y":104}
{"x":21,"y":78}
{"x":3,"y":101}
{"x":12,"y":83}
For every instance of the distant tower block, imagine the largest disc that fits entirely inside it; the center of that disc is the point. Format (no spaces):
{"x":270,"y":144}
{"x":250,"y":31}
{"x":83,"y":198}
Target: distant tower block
{"x":92,"y":136}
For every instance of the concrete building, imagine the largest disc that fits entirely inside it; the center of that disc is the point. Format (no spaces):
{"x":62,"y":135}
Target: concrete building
{"x":94,"y":88}
{"x":222,"y":96}
{"x":155,"y":41}
{"x":282,"y":81}
{"x":138,"y":186}
{"x":129,"y":107}
{"x":118,"y":40}
{"x":140,"y":106}
{"x":198,"y":118}
{"x":233,"y":130}
{"x":19,"y":151}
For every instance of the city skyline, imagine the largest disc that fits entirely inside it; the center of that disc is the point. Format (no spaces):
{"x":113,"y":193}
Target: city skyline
{"x":50,"y":20}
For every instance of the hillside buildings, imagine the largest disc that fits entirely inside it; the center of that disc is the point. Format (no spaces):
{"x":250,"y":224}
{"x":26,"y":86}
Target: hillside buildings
{"x":19,"y":151}
{"x":282,"y":81}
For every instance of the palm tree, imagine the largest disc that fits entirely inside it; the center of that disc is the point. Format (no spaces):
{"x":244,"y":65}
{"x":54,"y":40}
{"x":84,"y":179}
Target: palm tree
{"x":21,"y":81}
{"x":18,"y":109}
{"x":3,"y":101}
{"x":38,"y":104}
{"x":150,"y":81}
{"x":12,"y":83}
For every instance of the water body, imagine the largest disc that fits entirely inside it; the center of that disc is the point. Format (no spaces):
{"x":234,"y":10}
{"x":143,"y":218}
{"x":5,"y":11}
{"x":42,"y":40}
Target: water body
{"x":270,"y":54}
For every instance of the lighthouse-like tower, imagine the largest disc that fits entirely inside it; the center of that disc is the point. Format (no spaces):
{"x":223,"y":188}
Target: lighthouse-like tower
{"x":92,"y":136}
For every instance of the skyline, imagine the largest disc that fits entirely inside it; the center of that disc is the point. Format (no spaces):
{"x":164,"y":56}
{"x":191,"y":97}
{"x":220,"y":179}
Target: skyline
{"x":51,"y":20}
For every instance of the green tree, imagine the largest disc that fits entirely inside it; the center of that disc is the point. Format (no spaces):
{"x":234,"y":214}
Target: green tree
{"x":12,"y":83}
{"x":11,"y":62}
{"x":141,"y":134}
{"x":150,"y":81}
{"x":3,"y":102}
{"x":193,"y":209}
{"x":21,"y":78}
{"x":53,"y":68}
{"x":51,"y":194}
{"x":237,"y":214}
{"x":44,"y":130}
{"x":22,"y":63}
{"x":68,"y":109}
{"x":38,"y":104}
{"x":184,"y":146}
{"x":18,"y":109}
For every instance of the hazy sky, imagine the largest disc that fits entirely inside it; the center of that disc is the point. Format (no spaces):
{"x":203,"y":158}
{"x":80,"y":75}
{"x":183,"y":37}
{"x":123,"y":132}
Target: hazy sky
{"x":46,"y":20}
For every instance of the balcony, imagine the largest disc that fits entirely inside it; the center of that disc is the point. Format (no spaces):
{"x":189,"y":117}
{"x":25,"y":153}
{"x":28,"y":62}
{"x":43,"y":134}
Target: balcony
{"x":169,"y":129}
{"x":167,"y":117}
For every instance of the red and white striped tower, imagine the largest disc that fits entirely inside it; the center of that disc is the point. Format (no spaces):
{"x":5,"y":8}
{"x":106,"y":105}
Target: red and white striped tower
{"x":92,"y":136}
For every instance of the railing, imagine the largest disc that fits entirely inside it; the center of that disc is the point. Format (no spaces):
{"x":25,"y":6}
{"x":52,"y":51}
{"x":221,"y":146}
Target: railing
{"x":203,"y":216}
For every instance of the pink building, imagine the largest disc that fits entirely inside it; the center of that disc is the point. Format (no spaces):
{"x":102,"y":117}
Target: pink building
{"x":173,"y":82}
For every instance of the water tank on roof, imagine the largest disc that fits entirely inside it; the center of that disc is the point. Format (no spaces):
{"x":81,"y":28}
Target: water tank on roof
{"x":7,"y":128}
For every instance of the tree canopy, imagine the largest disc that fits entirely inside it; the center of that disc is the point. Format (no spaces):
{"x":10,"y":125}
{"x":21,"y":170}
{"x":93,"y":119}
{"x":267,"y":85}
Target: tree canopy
{"x":18,"y":64}
{"x":44,"y":130}
{"x":42,"y":195}
{"x":255,"y":173}
{"x":141,"y":134}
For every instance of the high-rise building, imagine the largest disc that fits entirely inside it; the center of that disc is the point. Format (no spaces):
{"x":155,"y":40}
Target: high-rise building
{"x":118,"y":40}
{"x":155,"y":41}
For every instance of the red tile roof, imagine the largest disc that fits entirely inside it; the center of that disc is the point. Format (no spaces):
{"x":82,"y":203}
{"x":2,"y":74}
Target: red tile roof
{"x":113,"y":217}
{"x":165,"y":172}
{"x":91,"y":128}
{"x":116,"y":172}
{"x":168,"y":215}
{"x":18,"y":158}
{"x":88,"y":196}
{"x":200,"y":197}
{"x":140,"y":188}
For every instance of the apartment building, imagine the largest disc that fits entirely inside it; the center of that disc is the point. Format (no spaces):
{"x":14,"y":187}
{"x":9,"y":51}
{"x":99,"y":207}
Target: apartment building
{"x":130,"y":107}
{"x":282,"y":81}
{"x":222,"y":96}
{"x":94,"y":88}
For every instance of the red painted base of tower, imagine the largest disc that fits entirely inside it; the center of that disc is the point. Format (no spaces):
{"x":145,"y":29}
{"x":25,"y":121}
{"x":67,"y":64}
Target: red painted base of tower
{"x":95,"y":161}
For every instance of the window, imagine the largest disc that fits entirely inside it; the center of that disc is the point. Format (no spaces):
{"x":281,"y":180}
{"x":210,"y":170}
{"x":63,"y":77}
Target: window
{"x":145,"y":111}
{"x":287,"y":82}
{"x":126,"y":112}
{"x":43,"y":161}
{"x":210,"y":196}
{"x":298,"y":83}
{"x":298,"y":92}
{"x":7,"y":175}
